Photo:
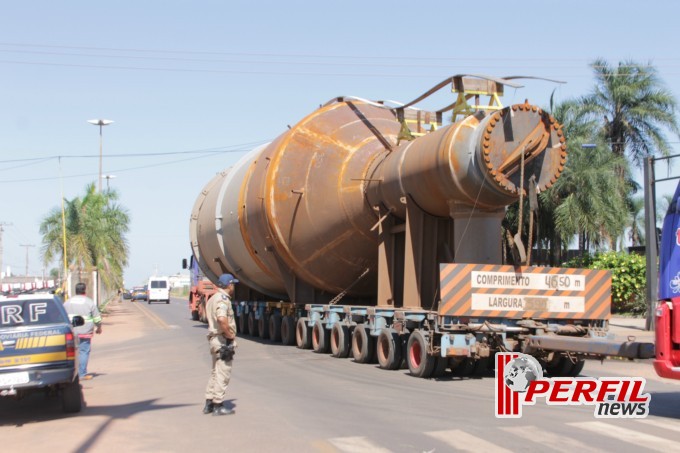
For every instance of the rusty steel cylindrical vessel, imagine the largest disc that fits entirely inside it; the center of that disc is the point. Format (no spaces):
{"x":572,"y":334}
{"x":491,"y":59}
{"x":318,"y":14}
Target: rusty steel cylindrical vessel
{"x":304,"y":205}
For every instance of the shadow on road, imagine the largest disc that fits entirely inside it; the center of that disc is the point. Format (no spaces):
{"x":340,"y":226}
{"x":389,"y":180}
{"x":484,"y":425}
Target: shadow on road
{"x":39,"y":407}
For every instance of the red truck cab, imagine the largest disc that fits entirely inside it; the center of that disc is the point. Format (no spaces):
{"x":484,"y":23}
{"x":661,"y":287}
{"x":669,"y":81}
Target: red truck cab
{"x":667,"y":363}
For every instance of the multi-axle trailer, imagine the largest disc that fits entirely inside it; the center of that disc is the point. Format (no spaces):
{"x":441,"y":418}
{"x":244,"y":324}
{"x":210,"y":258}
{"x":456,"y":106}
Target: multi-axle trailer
{"x":373,"y":229}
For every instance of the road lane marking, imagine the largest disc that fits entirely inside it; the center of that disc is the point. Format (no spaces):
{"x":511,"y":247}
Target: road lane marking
{"x":356,"y":445}
{"x":565,"y":444}
{"x":151,"y":315}
{"x":462,"y":441}
{"x":629,"y":436}
{"x":673,"y":426}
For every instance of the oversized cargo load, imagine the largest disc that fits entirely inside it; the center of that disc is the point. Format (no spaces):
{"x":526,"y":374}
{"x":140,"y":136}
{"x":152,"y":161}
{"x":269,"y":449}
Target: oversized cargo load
{"x":380,"y":225}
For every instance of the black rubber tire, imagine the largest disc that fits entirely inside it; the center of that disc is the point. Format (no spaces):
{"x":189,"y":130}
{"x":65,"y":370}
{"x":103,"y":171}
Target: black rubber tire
{"x":252,"y":324}
{"x":389,"y":349}
{"x":420,"y":364}
{"x":288,"y":330}
{"x":72,"y":397}
{"x":363,"y":345}
{"x":341,"y":341}
{"x":263,"y":327}
{"x":462,"y":368}
{"x":561,"y":367}
{"x":440,"y":366}
{"x":578,"y":367}
{"x":482,"y":366}
{"x":303,"y":334}
{"x":321,"y":337}
{"x":243,"y":323}
{"x":194,"y":315}
{"x":275,"y":327}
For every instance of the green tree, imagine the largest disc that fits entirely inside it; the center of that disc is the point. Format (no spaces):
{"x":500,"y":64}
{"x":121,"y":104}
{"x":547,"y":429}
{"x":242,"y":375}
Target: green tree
{"x":593,"y":198}
{"x":637,"y":221}
{"x":95,"y":235}
{"x":635,"y":108}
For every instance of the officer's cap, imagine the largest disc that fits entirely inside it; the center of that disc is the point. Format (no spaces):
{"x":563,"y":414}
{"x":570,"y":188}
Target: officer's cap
{"x":226,"y":279}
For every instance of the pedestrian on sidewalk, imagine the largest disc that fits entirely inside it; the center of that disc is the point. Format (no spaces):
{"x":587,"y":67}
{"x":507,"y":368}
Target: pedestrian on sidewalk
{"x":82,"y":305}
{"x":221,"y":336}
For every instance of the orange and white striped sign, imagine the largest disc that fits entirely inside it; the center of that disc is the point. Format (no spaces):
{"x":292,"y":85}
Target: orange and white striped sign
{"x":524,"y":292}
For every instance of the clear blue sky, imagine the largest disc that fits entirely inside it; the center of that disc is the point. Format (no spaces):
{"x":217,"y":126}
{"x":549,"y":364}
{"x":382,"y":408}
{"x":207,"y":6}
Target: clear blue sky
{"x":188,"y":77}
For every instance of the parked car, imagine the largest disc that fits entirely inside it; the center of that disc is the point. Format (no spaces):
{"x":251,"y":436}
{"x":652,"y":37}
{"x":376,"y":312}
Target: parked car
{"x":139,"y":293}
{"x":127,"y":294}
{"x":38,"y":349}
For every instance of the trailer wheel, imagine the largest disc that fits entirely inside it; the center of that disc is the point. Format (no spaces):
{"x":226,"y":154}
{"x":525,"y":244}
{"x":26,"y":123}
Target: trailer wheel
{"x":243,"y":323}
{"x":263,"y":326}
{"x":252,"y":324}
{"x":288,"y":330}
{"x":440,"y":366}
{"x":420,"y":364}
{"x":320,"y":337}
{"x":462,"y":367}
{"x":389,"y":349}
{"x":363,"y":344}
{"x":578,"y":367}
{"x":275,"y":327}
{"x":340,"y":341}
{"x":303,"y":334}
{"x":561,"y":366}
{"x":482,"y":366}
{"x":564,"y":367}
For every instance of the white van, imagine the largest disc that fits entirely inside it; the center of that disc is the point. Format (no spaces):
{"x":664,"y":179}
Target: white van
{"x":158,"y":290}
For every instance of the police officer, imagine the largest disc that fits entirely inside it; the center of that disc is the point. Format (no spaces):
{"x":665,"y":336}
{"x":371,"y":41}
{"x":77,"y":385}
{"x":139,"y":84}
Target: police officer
{"x":221,"y":332}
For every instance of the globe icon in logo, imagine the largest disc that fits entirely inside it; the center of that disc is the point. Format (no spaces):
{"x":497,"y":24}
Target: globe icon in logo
{"x":521,"y":371}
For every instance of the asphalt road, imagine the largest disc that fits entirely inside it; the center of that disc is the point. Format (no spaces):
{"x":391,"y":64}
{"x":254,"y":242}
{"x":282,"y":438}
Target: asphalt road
{"x":151,"y":366}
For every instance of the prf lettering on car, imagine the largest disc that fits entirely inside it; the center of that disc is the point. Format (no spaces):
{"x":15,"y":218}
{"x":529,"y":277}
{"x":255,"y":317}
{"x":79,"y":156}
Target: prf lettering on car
{"x":16,"y":314}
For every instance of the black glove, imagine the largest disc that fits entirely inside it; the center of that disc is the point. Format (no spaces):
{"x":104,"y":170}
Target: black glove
{"x":227,"y":352}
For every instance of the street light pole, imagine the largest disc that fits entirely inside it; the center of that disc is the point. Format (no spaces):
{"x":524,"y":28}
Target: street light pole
{"x":101,"y":123}
{"x":108,"y":177}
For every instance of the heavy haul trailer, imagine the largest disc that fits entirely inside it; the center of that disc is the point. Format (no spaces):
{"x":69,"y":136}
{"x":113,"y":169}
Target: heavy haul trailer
{"x":361,"y":222}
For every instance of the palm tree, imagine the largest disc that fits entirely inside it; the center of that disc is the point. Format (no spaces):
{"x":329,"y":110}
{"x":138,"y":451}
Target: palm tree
{"x":662,"y":207}
{"x":593,"y":204}
{"x":635,"y":108}
{"x":95,"y":235}
{"x":637,"y":221}
{"x":589,"y":200}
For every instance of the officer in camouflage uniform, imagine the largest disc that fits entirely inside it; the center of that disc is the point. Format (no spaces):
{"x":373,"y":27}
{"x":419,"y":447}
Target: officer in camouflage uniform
{"x":221,"y":332}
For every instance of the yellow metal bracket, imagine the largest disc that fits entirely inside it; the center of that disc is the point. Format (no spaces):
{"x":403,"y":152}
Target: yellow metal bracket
{"x":472,"y":88}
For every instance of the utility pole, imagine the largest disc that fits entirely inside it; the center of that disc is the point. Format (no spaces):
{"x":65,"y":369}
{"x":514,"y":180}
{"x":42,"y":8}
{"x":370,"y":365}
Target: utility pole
{"x":651,"y":247}
{"x":27,"y":247}
{"x":2,"y":224}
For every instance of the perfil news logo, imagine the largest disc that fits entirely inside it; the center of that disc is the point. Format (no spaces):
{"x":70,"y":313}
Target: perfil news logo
{"x":520,"y":381}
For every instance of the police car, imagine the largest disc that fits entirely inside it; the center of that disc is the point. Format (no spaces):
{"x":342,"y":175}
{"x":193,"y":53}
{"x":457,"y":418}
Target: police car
{"x":38,"y":349}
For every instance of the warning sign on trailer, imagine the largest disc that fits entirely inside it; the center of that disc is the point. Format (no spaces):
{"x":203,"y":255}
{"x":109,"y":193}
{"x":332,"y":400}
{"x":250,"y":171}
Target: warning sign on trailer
{"x":524,"y":292}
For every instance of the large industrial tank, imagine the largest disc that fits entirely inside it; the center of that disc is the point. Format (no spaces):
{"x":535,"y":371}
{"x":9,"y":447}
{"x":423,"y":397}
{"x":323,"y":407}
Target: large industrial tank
{"x":302,"y":210}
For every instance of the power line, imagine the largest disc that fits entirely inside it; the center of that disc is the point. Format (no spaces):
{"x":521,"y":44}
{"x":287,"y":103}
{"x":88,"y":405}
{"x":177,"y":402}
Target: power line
{"x":305,"y":55}
{"x":243,"y":147}
{"x":82,"y":175}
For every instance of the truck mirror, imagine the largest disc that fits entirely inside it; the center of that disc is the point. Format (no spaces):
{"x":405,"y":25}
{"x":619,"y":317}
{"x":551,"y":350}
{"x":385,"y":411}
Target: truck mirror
{"x":184,"y":263}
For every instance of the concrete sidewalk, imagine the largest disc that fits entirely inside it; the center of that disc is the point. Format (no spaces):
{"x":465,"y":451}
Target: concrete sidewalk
{"x":623,"y":328}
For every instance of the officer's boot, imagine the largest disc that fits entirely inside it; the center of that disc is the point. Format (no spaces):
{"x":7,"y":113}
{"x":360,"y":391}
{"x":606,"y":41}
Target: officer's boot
{"x":221,"y":410}
{"x":209,"y":407}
